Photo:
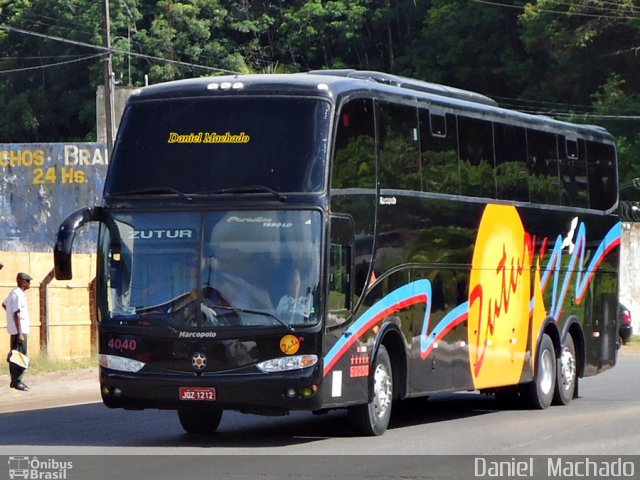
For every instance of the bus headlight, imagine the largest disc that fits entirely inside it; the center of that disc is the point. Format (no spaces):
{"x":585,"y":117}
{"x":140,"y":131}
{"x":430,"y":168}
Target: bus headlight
{"x":120,"y":363}
{"x":284,"y":364}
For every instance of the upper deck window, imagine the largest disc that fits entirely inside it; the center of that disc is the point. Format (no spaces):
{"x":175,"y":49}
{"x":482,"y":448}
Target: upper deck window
{"x":198,"y":145}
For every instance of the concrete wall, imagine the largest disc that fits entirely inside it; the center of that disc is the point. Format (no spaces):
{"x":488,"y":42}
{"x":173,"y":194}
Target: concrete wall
{"x":62,"y":320}
{"x":120,"y":97}
{"x":40,"y":184}
{"x":630,"y":272}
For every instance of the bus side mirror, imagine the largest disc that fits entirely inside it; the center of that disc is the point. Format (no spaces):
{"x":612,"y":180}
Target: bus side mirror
{"x":64,"y":240}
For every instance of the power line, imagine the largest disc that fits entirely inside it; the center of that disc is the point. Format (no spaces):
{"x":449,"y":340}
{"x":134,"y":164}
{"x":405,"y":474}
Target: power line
{"x":579,"y":14}
{"x":37,"y":67}
{"x":549,"y":108}
{"x":106,"y":50}
{"x":52,"y":22}
{"x":568,"y":113}
{"x":517,"y":103}
{"x":585,"y":116}
{"x":40,"y":57}
{"x":615,"y":8}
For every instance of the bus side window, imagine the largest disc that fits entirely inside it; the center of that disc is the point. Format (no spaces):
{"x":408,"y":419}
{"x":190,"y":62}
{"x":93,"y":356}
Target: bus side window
{"x":339,"y":277}
{"x":542,"y":158}
{"x":439,"y":152}
{"x":340,"y":295}
{"x":400,"y":161}
{"x":601,"y":163}
{"x":477,"y":176}
{"x":353,"y":178}
{"x":573,"y":174}
{"x":354,"y":164}
{"x":512,"y":177}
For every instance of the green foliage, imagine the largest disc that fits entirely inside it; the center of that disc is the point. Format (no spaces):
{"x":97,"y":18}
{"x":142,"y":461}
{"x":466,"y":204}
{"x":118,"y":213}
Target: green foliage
{"x":579,"y":44}
{"x":478,"y":179}
{"x":42,"y":364}
{"x":313,"y":28}
{"x":556,"y":53}
{"x":612,"y":100}
{"x":471,"y":46}
{"x":357,"y":158}
{"x":440,"y":172}
{"x":46,"y":104}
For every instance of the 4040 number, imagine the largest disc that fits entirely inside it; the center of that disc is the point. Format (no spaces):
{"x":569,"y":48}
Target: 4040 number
{"x":122,"y":344}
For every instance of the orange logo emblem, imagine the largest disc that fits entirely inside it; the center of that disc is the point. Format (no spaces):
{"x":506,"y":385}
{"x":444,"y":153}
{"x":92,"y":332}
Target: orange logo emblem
{"x":289,"y":344}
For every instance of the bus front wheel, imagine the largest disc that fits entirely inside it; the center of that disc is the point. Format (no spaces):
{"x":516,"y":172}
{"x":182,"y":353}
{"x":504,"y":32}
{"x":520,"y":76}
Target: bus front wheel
{"x":539,"y":393}
{"x":372,"y":418}
{"x":199,"y":420}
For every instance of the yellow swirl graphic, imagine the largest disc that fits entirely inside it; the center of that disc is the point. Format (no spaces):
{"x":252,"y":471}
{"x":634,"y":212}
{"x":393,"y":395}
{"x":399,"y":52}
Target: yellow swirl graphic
{"x":499,"y":298}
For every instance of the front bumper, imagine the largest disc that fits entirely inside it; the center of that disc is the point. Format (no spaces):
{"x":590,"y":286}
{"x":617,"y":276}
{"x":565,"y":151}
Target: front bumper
{"x":262,"y":393}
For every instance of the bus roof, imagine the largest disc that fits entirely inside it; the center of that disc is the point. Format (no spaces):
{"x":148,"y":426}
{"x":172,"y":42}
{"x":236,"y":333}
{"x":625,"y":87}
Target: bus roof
{"x":337,"y":83}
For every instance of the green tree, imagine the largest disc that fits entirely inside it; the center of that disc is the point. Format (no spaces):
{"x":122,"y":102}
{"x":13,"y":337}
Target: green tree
{"x":580,"y":43}
{"x":47,"y":103}
{"x":560,"y":53}
{"x":472,"y":46}
{"x":619,"y":110}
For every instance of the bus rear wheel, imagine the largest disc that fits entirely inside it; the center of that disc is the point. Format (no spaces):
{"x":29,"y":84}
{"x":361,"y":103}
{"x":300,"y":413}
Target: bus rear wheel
{"x":372,"y":418}
{"x":567,"y":377}
{"x":539,"y":393}
{"x":199,"y":420}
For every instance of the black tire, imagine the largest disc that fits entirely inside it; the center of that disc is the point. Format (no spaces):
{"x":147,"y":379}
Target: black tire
{"x":372,"y":418}
{"x":199,"y":420}
{"x":567,"y":374}
{"x":539,"y":393}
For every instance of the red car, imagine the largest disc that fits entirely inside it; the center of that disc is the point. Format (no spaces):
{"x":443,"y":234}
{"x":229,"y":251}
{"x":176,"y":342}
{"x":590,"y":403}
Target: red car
{"x":626,"y":330}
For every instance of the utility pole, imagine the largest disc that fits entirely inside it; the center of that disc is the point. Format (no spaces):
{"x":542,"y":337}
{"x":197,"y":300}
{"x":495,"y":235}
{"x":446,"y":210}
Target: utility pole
{"x":108,"y":81}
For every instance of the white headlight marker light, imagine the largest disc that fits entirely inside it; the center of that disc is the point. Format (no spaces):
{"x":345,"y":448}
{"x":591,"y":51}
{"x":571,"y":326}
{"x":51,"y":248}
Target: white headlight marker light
{"x":285,"y":364}
{"x":123,"y":364}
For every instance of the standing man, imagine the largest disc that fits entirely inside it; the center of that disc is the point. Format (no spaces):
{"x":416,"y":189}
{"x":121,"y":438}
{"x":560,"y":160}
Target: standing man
{"x":18,"y":325}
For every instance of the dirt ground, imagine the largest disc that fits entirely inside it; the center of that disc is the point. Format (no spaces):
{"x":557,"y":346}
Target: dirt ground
{"x":48,"y":390}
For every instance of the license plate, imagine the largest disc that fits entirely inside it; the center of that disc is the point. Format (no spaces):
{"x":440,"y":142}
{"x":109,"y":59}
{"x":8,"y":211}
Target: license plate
{"x":204,"y":394}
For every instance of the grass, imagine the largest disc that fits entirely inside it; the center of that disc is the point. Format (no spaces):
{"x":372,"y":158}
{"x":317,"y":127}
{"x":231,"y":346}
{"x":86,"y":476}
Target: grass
{"x":634,"y":340}
{"x":42,"y":364}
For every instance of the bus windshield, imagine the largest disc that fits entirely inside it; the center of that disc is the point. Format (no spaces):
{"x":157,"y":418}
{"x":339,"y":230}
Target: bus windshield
{"x":183,"y":145}
{"x":216,"y":269}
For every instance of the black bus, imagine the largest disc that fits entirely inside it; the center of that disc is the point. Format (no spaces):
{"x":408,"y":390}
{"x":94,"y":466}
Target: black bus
{"x":346,"y":239}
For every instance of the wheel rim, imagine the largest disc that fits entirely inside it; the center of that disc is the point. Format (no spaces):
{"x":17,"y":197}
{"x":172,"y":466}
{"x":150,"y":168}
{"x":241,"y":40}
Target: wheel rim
{"x":382,"y":391}
{"x":546,"y":372}
{"x":568,"y":368}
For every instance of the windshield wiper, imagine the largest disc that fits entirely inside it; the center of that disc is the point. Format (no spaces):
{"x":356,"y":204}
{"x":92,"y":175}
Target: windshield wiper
{"x":247,"y":189}
{"x":146,"y":318}
{"x":254,"y":312}
{"x":156,"y":190}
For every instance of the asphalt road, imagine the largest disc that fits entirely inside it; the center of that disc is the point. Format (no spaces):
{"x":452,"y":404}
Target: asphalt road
{"x":453,"y":430}
{"x":604,"y":420}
